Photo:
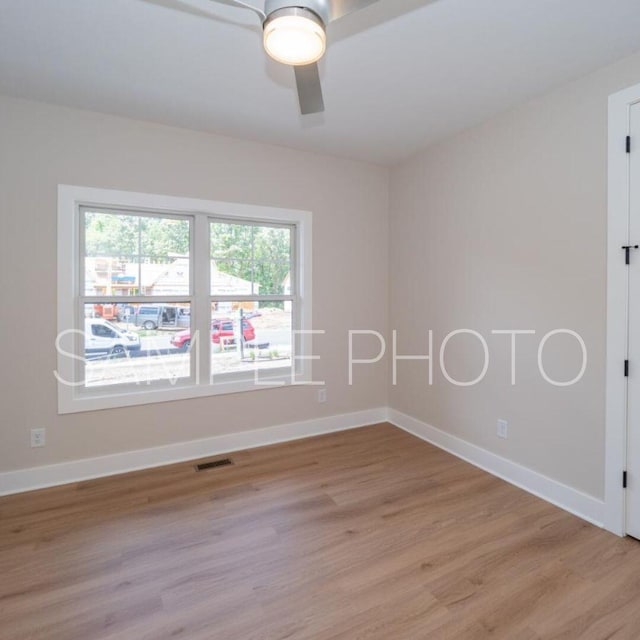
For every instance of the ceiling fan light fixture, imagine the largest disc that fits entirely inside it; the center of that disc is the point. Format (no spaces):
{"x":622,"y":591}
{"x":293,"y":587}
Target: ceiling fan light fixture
{"x":295,"y":36}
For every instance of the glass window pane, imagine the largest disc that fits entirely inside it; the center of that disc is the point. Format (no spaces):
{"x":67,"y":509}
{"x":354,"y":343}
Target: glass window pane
{"x":250,"y":258}
{"x":164,"y":277}
{"x":110,"y":234}
{"x":231,"y":277}
{"x":231,"y":241}
{"x":266,"y":341}
{"x":273,"y":278}
{"x":136,"y":343}
{"x":129,"y":255}
{"x":164,"y":237}
{"x":272,"y":259}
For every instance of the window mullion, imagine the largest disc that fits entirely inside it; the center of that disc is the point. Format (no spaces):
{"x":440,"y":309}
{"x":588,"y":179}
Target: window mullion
{"x":201,"y":276}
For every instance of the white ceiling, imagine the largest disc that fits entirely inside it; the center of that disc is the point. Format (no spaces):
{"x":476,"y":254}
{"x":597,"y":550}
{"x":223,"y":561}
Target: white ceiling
{"x":398,"y":75}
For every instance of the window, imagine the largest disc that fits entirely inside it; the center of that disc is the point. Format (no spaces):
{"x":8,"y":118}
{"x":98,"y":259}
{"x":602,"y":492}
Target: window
{"x":251,"y":264}
{"x":165,"y":298}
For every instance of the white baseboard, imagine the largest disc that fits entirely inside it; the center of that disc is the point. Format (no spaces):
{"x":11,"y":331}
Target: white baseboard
{"x":89,"y":468}
{"x":580,"y":504}
{"x":561,"y":495}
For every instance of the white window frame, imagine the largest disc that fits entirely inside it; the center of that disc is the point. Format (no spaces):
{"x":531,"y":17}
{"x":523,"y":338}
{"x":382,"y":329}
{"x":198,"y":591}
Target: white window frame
{"x":73,"y":398}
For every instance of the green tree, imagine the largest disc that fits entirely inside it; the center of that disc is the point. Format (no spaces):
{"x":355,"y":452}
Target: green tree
{"x":258,"y":254}
{"x":122,"y":236}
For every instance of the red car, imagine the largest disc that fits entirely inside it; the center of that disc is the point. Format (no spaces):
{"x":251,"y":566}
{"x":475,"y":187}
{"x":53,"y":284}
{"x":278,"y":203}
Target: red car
{"x":222,"y":328}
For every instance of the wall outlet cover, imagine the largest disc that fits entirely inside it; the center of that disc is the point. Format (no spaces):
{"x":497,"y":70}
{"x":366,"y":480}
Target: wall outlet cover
{"x":38,"y":437}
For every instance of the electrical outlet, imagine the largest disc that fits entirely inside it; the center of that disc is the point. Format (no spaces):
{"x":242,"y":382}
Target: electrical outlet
{"x":38,"y":437}
{"x":503,"y":429}
{"x":322,"y":396}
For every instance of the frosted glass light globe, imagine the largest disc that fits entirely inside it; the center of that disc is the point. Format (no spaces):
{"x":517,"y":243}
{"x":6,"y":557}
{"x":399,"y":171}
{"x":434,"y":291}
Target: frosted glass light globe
{"x":295,"y":38}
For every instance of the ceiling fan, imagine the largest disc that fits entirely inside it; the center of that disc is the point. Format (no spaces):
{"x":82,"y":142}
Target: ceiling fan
{"x":295,"y":33}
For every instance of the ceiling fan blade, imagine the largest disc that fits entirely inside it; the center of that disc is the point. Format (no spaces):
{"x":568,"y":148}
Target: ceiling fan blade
{"x":340,"y":8}
{"x":309,"y":89}
{"x":243,"y":5}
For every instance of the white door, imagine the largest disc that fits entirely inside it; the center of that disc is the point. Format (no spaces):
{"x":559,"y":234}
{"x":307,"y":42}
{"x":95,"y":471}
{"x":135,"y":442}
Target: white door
{"x":633,"y":402}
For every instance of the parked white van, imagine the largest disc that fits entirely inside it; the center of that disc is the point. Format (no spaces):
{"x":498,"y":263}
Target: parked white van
{"x":101,"y":336}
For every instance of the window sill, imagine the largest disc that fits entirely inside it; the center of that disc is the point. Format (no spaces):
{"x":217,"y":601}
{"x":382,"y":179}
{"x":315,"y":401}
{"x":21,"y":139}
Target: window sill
{"x":76,"y":401}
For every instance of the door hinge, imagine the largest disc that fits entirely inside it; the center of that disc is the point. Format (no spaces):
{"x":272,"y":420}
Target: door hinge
{"x":628,"y":144}
{"x":627,"y":252}
{"x":624,"y":479}
{"x":626,"y":368}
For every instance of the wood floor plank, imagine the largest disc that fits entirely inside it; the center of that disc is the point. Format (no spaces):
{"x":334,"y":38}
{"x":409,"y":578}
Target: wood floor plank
{"x":362,"y":535}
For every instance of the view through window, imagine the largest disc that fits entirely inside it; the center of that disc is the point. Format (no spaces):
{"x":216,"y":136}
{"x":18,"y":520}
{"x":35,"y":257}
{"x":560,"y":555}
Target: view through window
{"x":140,"y":286}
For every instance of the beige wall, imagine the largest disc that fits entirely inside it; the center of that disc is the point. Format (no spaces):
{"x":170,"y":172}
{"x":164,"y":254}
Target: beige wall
{"x":43,"y":145}
{"x":504,"y":227}
{"x":500,"y":227}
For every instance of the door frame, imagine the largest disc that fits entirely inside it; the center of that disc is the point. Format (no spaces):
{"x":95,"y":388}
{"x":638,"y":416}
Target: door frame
{"x":617,"y":307}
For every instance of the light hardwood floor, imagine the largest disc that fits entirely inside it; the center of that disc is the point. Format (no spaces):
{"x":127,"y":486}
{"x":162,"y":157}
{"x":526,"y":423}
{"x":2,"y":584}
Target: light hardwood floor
{"x":369,"y":533}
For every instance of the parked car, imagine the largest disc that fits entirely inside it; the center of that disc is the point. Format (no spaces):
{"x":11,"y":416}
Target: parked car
{"x":161,"y":315}
{"x":101,"y":336}
{"x":221,"y":329}
{"x":126,"y":312}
